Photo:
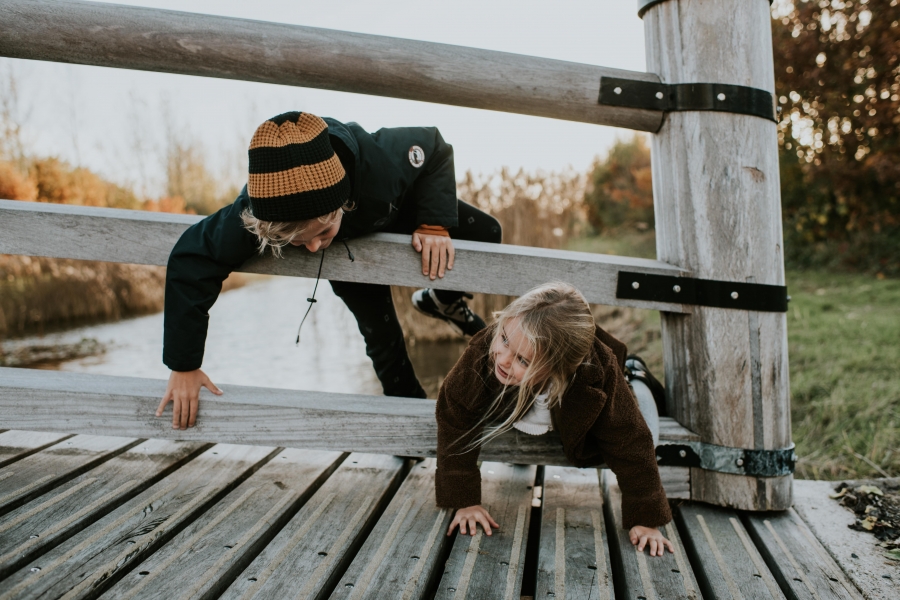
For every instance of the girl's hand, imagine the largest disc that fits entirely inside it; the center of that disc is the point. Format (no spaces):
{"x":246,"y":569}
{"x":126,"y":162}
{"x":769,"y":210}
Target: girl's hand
{"x":641,"y":536}
{"x":468,"y":517}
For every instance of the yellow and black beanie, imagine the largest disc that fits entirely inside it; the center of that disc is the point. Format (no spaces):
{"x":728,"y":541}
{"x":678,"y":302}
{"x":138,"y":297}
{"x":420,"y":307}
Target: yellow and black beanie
{"x":294,"y":173}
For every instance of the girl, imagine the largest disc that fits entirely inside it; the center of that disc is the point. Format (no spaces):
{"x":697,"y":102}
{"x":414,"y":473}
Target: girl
{"x":542,"y":365}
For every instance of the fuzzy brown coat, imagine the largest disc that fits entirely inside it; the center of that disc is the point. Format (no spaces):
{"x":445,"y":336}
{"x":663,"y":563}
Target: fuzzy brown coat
{"x":598,"y":422}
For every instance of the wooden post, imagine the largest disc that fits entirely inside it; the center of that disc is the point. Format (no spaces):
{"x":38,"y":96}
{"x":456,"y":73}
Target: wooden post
{"x":718,"y":214}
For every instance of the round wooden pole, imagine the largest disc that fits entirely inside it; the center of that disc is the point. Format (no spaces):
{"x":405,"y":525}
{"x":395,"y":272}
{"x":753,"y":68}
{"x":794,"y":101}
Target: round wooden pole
{"x":718,"y":214}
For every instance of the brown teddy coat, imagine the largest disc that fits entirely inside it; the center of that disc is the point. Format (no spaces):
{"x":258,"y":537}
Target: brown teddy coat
{"x":598,"y":422}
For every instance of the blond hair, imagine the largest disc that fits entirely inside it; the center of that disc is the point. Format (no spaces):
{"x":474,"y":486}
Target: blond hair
{"x":278,"y":234}
{"x":556,"y":320}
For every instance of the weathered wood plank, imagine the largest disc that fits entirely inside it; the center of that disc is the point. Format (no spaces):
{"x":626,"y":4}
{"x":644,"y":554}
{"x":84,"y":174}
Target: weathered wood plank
{"x":211,"y":46}
{"x":88,"y":233}
{"x":718,"y":214}
{"x":209,"y":553}
{"x":34,"y":528}
{"x":95,"y":558}
{"x":637,"y":573}
{"x":16,"y":445}
{"x":800,"y":564}
{"x":490,"y":567}
{"x":854,"y":551}
{"x":677,"y":482}
{"x":94,"y":404}
{"x":573,"y":560}
{"x":53,"y":466}
{"x":307,"y":557}
{"x":400,"y":558}
{"x":725,"y":561}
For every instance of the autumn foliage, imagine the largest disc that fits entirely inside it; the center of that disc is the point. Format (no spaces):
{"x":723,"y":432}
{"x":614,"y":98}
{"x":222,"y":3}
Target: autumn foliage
{"x":837,"y":80}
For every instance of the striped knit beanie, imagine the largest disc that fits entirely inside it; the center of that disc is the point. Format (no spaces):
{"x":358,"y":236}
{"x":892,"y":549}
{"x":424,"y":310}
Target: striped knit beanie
{"x":294,"y":173}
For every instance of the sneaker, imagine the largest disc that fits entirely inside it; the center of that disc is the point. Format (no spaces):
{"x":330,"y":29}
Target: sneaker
{"x":457,"y":314}
{"x":636,"y":368}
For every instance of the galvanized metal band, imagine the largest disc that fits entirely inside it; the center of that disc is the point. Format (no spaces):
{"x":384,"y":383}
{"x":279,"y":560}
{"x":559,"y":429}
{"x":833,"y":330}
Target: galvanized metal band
{"x":702,"y":292}
{"x":645,"y":5}
{"x":724,"y":459}
{"x":678,"y":97}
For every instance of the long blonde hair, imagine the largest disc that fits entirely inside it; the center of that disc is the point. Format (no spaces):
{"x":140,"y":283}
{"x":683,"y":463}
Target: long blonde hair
{"x":557,"y":322}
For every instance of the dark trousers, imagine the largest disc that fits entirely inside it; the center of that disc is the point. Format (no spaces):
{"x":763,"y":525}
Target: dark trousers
{"x":373,"y":306}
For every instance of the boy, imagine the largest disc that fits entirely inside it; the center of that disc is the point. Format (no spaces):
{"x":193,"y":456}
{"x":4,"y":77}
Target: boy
{"x":312,"y":182}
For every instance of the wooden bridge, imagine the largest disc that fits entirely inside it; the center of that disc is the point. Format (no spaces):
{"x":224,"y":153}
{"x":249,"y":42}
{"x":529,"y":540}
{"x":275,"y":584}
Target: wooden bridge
{"x":86,"y":516}
{"x":301,"y":494}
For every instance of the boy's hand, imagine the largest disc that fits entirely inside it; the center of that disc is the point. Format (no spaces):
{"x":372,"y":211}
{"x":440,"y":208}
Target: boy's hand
{"x":184,"y":393}
{"x":470,"y":516}
{"x":437,"y":253}
{"x":641,"y":536}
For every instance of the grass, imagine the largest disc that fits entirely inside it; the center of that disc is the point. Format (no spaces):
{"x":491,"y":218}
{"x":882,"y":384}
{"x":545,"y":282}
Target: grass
{"x":844,"y":351}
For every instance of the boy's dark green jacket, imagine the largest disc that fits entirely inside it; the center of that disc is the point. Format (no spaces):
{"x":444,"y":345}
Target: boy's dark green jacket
{"x":383,"y":179}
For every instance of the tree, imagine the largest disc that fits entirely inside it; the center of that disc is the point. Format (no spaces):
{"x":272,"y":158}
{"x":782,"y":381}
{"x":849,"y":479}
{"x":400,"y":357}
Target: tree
{"x":621,"y":191}
{"x":837,"y":80}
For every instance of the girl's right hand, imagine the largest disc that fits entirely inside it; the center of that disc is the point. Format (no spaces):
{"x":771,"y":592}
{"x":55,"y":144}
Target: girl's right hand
{"x":466,"y":518}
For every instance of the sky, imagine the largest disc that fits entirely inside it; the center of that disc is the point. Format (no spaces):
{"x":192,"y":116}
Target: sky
{"x":115,"y":121}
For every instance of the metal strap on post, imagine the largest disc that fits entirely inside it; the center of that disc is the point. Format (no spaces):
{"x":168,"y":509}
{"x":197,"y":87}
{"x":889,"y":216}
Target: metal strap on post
{"x":645,"y":5}
{"x":724,"y":459}
{"x":669,"y":97}
{"x":702,"y":292}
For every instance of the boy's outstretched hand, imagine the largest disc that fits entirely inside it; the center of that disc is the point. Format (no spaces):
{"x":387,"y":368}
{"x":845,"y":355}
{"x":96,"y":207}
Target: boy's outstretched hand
{"x":437,"y":253}
{"x":466,"y":518}
{"x":641,"y":536}
{"x":184,"y":393}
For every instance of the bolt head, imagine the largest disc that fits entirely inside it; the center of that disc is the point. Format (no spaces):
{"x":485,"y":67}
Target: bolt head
{"x":659,"y":95}
{"x":676,"y":288}
{"x":682,"y":453}
{"x":618,"y":90}
{"x":734,"y":295}
{"x":635,"y":284}
{"x":740,"y":462}
{"x":721,"y":97}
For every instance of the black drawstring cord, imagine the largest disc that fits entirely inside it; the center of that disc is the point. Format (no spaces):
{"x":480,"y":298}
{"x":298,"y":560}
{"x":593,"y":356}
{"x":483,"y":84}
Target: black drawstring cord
{"x":313,"y":299}
{"x":349,"y":254}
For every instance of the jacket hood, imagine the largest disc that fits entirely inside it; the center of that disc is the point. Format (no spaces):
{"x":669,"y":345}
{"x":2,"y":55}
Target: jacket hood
{"x":342,"y":132}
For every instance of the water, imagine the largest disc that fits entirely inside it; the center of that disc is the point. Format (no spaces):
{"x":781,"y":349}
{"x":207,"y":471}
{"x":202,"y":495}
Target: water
{"x":251,"y":342}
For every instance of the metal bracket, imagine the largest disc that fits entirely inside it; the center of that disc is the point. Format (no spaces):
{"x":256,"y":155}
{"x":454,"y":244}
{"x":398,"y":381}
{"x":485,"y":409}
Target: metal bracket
{"x":644,"y":6}
{"x":702,"y":292}
{"x":669,"y":97}
{"x":724,"y":459}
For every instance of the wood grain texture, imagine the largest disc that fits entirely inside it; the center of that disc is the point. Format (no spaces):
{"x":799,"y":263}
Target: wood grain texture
{"x":638,"y":574}
{"x":573,"y":559}
{"x":210,"y":46}
{"x":32,"y":529}
{"x":401,"y":556}
{"x":725,"y":561}
{"x":95,"y":558}
{"x":130,"y":236}
{"x":676,"y":481}
{"x":490,"y":567}
{"x":16,"y":445}
{"x":94,"y":405}
{"x":799,"y":562}
{"x":212,"y":551}
{"x":308,"y":555}
{"x":718,"y":214}
{"x":53,"y":466}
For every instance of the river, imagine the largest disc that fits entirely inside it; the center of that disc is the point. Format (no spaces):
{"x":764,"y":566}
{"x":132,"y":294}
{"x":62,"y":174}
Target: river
{"x":251,"y":342}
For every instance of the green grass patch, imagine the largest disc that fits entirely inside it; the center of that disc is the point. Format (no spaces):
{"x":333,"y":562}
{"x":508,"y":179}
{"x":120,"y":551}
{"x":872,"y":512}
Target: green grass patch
{"x":844,"y":351}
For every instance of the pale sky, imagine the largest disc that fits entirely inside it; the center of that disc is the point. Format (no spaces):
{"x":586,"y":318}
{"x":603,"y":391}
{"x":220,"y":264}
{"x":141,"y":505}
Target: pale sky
{"x":111,"y":120}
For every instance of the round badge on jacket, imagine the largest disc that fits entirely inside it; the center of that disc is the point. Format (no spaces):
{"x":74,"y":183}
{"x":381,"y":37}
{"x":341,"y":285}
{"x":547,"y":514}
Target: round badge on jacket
{"x":416,"y":156}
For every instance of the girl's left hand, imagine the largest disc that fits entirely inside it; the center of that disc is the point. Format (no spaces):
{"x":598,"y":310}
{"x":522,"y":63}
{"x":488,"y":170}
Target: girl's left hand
{"x":641,"y":536}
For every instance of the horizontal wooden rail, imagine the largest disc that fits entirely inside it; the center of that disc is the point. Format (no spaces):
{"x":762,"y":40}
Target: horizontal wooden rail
{"x":129,"y":236}
{"x":38,"y":400}
{"x":149,"y":39}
